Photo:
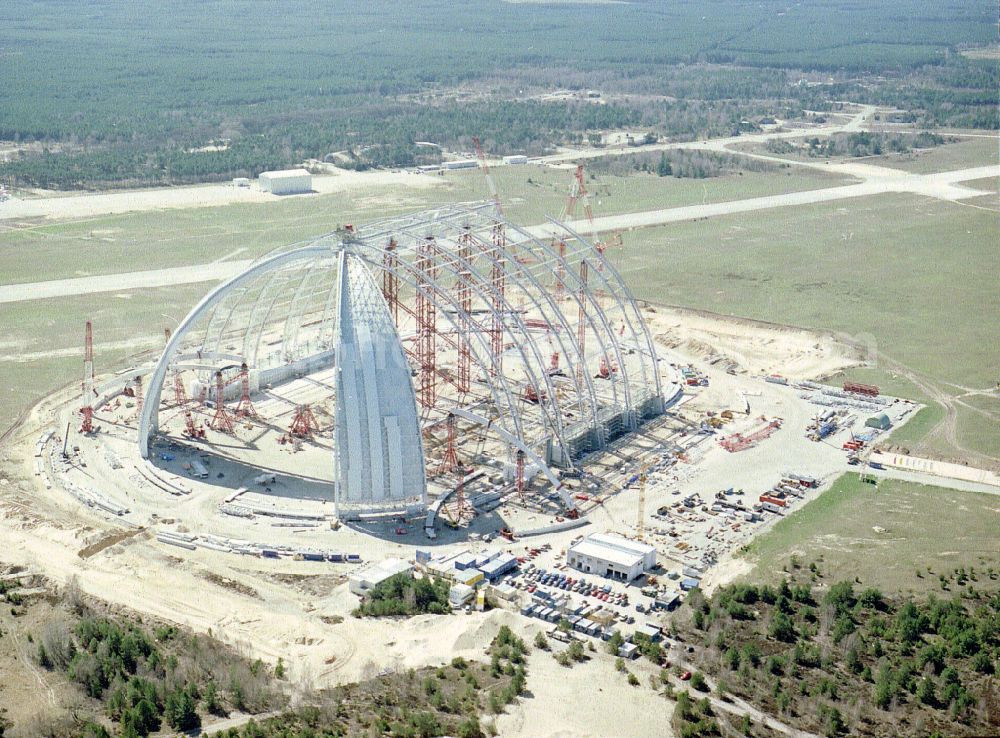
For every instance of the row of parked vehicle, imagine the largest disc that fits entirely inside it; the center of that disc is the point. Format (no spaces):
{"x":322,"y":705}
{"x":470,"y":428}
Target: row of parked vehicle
{"x":540,"y":577}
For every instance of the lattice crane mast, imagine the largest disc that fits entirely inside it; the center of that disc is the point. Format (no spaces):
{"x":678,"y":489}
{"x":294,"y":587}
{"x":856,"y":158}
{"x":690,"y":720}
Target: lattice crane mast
{"x":87,"y":409}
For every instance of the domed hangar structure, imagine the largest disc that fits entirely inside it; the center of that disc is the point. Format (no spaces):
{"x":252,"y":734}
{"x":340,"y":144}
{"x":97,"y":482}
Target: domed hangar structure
{"x":418,"y":330}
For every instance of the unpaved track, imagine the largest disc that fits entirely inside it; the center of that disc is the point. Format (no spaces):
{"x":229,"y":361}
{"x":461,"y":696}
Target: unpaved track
{"x":66,"y":205}
{"x":878,"y":180}
{"x":946,"y":429}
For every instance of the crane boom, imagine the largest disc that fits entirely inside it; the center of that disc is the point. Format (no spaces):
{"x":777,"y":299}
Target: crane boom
{"x":640,"y":526}
{"x":494,"y":195}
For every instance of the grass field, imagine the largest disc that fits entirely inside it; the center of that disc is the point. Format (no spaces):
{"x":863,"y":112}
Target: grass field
{"x":875,"y":266}
{"x":930,"y":530}
{"x":43,"y":339}
{"x":156,"y":240}
{"x":970,"y":152}
{"x":987,"y":184}
{"x":961,"y":154}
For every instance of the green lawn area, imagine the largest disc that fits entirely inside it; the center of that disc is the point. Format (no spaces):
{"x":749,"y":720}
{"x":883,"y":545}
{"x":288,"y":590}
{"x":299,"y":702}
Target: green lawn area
{"x":927,"y":529}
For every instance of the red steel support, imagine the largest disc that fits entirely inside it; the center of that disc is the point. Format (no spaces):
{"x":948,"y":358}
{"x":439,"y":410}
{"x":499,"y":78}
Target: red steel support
{"x":581,"y":325}
{"x":465,"y":310}
{"x":449,"y":462}
{"x":426,"y":323}
{"x":190,"y":429}
{"x":499,"y":283}
{"x":245,"y":409}
{"x":87,"y":409}
{"x":180,"y":396}
{"x":304,"y":422}
{"x":221,"y":421}
{"x":390,"y":279}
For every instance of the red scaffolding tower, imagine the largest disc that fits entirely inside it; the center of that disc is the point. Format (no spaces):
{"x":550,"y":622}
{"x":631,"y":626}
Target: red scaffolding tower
{"x":581,"y":325}
{"x":303,"y":422}
{"x":426,"y":323}
{"x":190,"y":429}
{"x":465,"y":310}
{"x":498,"y":278}
{"x":390,"y":279}
{"x":449,"y":461}
{"x":221,"y":420}
{"x":180,"y":396}
{"x":245,"y":409}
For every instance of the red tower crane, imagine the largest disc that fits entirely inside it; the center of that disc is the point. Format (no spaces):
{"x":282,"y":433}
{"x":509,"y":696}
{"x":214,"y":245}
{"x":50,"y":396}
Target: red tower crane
{"x":494,"y":195}
{"x":87,"y":409}
{"x":581,"y":325}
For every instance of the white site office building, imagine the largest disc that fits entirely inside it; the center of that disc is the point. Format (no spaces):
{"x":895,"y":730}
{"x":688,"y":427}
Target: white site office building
{"x":611,"y":556}
{"x":286,"y":182}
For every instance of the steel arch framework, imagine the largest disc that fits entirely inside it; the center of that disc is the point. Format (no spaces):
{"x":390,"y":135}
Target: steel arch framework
{"x":492,"y":288}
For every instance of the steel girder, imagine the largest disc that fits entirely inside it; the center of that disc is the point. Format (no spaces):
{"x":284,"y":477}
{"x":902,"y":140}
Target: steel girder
{"x":289,"y":290}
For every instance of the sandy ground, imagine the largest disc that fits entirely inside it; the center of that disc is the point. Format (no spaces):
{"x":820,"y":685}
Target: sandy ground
{"x":60,"y":205}
{"x":290,"y":609}
{"x":756,"y":347}
{"x":557,"y":707}
{"x":879,"y":180}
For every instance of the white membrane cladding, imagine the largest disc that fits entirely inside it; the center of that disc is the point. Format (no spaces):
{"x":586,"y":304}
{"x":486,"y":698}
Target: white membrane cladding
{"x":379,"y":459}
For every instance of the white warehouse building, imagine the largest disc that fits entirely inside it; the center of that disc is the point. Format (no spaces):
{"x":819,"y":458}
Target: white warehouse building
{"x":362,"y":580}
{"x":611,"y":556}
{"x":286,"y":182}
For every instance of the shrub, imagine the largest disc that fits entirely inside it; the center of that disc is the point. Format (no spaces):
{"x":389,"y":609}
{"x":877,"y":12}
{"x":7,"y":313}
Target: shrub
{"x":615,"y":642}
{"x":782,"y":628}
